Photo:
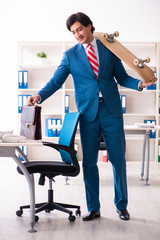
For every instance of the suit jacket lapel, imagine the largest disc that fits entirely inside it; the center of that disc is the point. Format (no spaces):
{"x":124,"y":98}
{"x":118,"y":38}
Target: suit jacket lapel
{"x":101,"y":57}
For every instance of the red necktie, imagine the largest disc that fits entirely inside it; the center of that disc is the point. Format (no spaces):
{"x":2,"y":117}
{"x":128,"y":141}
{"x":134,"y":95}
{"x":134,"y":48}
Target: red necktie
{"x":93,"y":59}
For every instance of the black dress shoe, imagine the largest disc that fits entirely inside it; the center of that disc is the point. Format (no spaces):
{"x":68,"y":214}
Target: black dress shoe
{"x":123,"y":214}
{"x":91,"y":215}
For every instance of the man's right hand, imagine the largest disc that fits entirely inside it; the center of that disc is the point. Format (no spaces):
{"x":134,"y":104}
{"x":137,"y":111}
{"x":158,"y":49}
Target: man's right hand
{"x":33,"y":99}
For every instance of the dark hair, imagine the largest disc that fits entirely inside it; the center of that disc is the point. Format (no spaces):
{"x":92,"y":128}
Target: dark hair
{"x":79,"y":17}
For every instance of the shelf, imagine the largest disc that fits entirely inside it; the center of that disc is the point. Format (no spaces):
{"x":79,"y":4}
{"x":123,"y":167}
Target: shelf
{"x":52,"y":114}
{"x":140,"y":105}
{"x":37,"y":66}
{"x":145,"y":91}
{"x":138,"y":139}
{"x":31,"y":90}
{"x":139,"y":114}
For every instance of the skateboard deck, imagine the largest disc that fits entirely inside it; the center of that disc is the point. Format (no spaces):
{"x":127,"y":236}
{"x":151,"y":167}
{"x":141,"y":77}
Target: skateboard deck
{"x":109,"y":41}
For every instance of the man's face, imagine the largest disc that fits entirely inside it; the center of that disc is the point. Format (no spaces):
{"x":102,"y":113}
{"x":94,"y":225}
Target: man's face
{"x":81,"y":33}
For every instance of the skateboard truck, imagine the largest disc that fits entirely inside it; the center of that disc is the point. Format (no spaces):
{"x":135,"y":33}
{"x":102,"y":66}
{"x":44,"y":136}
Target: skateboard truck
{"x":140,"y":62}
{"x":110,"y":37}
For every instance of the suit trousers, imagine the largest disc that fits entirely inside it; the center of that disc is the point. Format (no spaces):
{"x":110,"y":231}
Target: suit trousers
{"x":113,"y":133}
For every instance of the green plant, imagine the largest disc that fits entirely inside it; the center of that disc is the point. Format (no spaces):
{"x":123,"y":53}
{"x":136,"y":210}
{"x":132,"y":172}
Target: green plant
{"x":42,"y":55}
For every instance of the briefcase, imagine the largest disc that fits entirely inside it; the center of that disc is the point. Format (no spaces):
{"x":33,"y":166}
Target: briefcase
{"x":31,"y":122}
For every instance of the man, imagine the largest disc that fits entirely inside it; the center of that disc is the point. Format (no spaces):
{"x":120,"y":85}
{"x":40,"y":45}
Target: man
{"x":98,"y":101}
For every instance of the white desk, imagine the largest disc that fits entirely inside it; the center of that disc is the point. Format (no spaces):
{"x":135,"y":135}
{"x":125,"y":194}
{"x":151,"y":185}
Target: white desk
{"x":132,"y":129}
{"x":10,"y":150}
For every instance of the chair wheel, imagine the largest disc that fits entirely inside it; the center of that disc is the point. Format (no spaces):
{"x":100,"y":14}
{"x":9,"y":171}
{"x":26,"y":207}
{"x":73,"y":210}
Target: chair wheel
{"x":19,"y":213}
{"x":71,"y":218}
{"x":36,"y":218}
{"x":47,"y":211}
{"x":78,"y":212}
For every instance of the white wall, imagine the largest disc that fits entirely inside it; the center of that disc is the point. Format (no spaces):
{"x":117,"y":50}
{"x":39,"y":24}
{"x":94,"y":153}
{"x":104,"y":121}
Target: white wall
{"x":44,"y":20}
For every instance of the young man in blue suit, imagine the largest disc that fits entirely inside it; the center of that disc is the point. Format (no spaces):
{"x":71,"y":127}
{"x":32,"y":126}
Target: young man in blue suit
{"x":98,"y":101}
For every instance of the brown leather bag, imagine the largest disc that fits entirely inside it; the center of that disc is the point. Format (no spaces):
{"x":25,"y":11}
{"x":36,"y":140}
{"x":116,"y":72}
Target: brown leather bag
{"x":31,"y":122}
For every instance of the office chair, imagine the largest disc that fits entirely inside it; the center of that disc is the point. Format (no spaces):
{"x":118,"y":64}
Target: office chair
{"x":69,"y":166}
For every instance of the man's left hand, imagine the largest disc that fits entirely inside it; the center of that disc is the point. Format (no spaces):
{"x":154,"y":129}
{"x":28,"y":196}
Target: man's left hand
{"x":146,"y":84}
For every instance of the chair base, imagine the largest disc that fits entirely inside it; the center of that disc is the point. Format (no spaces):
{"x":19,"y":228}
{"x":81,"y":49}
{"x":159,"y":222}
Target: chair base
{"x":50,"y":206}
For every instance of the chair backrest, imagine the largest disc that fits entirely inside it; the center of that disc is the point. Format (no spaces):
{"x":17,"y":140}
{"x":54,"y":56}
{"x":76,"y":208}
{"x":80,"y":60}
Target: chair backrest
{"x":67,"y":134}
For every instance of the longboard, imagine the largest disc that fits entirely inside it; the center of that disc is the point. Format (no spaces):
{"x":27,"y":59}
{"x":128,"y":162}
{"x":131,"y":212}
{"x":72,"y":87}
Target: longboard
{"x":138,"y":65}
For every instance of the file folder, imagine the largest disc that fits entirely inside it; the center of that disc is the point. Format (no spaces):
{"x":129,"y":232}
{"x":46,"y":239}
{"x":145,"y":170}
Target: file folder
{"x":66,"y":103}
{"x":123,"y":102}
{"x":19,"y":156}
{"x":54,"y":129}
{"x":25,"y":151}
{"x":59,"y":126}
{"x":20,"y":79}
{"x":25,"y":79}
{"x":153,"y":86}
{"x":49,"y":127}
{"x":24,"y":101}
{"x":20,"y":103}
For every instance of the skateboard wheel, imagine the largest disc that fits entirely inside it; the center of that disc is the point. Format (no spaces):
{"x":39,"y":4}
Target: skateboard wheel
{"x":136,"y":62}
{"x":116,"y":34}
{"x":147,"y":60}
{"x":106,"y":35}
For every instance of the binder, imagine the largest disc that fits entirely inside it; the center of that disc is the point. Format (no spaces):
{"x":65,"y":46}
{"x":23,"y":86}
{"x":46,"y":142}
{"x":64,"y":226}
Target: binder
{"x":49,"y":127}
{"x":19,"y":156}
{"x":20,"y":103}
{"x":152,"y":132}
{"x":20,"y":79}
{"x":25,"y":79}
{"x":54,"y":127}
{"x":24,"y":101}
{"x":123,"y":102}
{"x":59,"y":126}
{"x":153,"y":86}
{"x":25,"y":151}
{"x":76,"y":148}
{"x":66,"y":103}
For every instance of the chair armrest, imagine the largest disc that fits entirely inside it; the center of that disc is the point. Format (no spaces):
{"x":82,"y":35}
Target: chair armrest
{"x":56,"y":146}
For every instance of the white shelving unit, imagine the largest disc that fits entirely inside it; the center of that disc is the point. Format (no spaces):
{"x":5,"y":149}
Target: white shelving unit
{"x":140,"y":105}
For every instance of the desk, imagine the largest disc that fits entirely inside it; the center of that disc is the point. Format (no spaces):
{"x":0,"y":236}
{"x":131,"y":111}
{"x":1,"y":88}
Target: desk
{"x":11,"y":150}
{"x":132,"y":129}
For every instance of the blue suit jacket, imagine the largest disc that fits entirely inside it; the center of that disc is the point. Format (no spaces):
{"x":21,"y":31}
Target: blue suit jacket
{"x":86,"y":85}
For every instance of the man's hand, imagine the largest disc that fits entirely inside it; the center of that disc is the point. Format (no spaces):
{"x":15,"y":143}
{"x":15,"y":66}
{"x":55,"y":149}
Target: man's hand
{"x":146,"y":84}
{"x":33,"y":99}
